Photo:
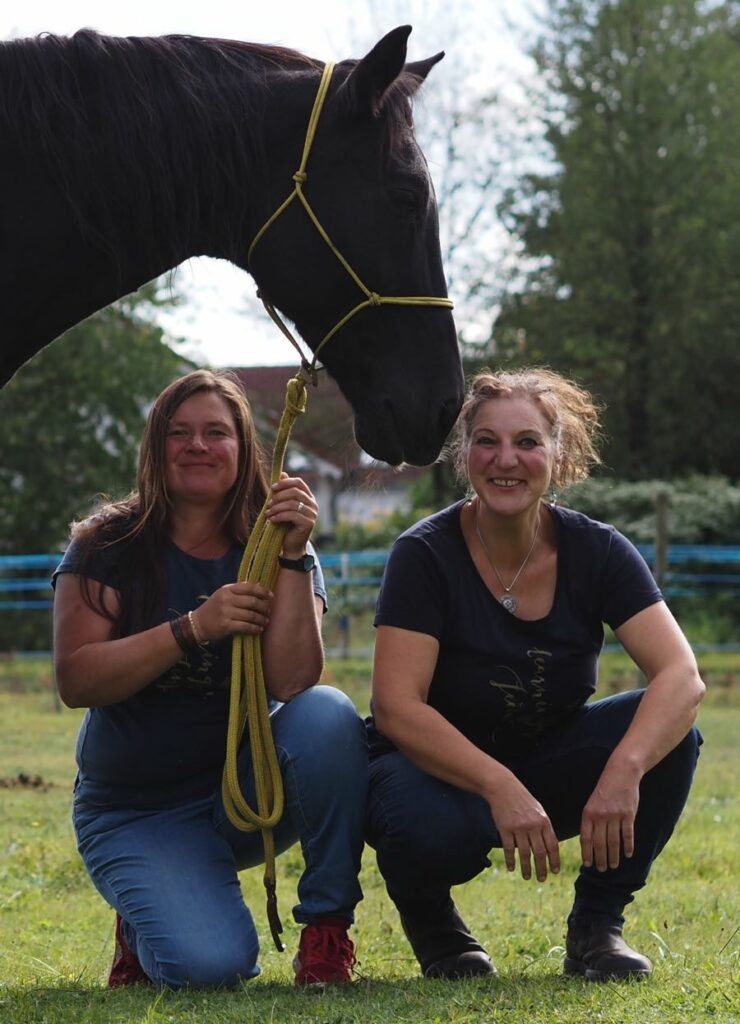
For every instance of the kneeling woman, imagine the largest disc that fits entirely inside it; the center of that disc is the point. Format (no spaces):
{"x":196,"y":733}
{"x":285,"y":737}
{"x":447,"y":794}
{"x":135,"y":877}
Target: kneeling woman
{"x":490,"y":623}
{"x":145,"y":608}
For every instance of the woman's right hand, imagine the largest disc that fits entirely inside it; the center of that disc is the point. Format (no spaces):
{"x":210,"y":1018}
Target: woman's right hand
{"x":234,"y":608}
{"x":523,"y":825}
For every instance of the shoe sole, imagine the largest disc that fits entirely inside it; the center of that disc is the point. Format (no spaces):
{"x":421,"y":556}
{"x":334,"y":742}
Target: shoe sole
{"x":575,"y":968}
{"x":457,"y":969}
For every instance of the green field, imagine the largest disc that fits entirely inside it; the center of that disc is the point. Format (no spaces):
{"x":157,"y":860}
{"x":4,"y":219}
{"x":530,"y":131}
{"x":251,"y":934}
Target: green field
{"x":56,"y":934}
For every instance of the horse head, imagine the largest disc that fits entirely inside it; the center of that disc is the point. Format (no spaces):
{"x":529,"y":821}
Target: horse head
{"x":125,"y":157}
{"x":368,"y":185}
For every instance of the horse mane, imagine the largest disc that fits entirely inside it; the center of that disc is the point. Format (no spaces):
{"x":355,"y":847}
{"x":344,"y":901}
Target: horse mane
{"x":90,"y":103}
{"x":195,"y":105}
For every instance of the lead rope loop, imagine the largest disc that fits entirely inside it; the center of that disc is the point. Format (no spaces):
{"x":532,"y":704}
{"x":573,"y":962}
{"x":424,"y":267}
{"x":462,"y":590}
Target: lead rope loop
{"x":248,"y":703}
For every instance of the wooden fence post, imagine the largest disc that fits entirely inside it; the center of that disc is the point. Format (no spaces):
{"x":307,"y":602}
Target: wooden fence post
{"x":662,"y":531}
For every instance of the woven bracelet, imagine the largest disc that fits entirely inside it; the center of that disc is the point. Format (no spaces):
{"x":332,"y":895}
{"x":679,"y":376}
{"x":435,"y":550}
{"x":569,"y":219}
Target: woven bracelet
{"x":183,"y":633}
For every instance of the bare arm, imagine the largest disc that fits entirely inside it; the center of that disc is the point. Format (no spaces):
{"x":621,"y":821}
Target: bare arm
{"x":90,"y":668}
{"x":666,"y":713}
{"x":292,"y":651}
{"x":93,"y":670}
{"x":404,"y":665}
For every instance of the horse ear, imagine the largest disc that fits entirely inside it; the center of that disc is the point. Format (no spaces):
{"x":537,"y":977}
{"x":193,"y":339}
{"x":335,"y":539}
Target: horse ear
{"x":363,"y":90}
{"x":421,"y":68}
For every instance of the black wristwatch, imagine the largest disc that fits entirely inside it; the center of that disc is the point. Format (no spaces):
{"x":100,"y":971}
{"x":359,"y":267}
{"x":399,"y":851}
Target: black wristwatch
{"x":303,"y":564}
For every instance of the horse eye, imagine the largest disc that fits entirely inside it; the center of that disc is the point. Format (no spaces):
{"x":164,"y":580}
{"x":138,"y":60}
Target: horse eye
{"x":406,"y":199}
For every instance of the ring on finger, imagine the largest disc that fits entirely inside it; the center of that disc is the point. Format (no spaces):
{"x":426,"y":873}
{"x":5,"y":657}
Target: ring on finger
{"x":300,"y":507}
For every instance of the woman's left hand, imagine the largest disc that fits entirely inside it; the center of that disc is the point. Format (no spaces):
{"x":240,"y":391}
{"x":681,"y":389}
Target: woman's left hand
{"x":293,"y":505}
{"x":608,"y":820}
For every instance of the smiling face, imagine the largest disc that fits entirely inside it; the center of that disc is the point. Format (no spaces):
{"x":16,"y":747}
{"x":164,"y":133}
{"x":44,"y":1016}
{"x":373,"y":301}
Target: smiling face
{"x":201,"y":451}
{"x":511,"y":455}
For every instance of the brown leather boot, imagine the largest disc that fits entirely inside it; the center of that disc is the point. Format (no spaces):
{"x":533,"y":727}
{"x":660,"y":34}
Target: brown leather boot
{"x":444,"y":947}
{"x":601,"y":954}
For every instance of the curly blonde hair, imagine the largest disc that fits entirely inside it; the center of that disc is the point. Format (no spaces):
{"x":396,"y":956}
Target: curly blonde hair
{"x":570,"y":411}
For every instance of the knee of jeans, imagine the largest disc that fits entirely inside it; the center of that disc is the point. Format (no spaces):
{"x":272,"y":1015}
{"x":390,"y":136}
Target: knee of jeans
{"x":687,"y":751}
{"x":198,"y":965}
{"x":329,"y":720}
{"x":435,"y":832}
{"x":327,"y":704}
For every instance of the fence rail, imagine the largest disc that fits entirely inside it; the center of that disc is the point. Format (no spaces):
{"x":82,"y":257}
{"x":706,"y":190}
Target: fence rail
{"x":352,"y":579}
{"x":348,"y":574}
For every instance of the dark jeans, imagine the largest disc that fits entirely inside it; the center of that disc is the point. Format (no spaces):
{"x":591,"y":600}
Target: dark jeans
{"x":430,"y":835}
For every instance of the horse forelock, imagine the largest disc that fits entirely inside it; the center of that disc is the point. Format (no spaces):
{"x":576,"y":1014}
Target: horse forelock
{"x":194,"y":105}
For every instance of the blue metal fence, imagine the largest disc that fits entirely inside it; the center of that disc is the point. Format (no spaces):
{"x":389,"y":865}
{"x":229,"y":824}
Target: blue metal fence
{"x":352,"y":579}
{"x":24,"y":579}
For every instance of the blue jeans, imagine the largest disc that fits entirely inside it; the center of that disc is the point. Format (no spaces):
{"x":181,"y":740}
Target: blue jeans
{"x":429,"y":835}
{"x":172,"y":873}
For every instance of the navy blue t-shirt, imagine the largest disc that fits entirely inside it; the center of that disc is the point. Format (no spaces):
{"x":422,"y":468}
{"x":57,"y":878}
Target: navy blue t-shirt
{"x":500,"y":680}
{"x":167,"y":742}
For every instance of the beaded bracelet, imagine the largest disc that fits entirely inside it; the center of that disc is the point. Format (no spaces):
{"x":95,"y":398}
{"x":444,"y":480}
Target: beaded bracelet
{"x":198,"y":638}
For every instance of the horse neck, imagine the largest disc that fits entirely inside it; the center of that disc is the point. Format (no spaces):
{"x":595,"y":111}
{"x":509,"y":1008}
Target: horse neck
{"x":90,"y":215}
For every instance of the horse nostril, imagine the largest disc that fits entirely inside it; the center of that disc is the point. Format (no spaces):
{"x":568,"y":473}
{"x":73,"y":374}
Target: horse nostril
{"x":448,"y":414}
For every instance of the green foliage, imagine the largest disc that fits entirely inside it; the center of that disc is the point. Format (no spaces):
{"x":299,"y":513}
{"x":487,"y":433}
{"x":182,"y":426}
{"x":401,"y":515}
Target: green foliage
{"x":630,"y":244}
{"x":702,"y":509}
{"x":72,"y":420}
{"x":377,"y":534}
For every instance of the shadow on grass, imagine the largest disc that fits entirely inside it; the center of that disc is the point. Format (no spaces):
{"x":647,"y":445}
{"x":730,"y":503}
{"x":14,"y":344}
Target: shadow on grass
{"x":529,"y":996}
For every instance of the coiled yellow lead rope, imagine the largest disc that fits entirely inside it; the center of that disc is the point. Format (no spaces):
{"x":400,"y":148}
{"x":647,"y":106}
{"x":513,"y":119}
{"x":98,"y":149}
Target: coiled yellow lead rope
{"x":248,"y":701}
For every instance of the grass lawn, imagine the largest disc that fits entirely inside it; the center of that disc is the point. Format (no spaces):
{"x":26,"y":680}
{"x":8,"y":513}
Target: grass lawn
{"x":56,"y":934}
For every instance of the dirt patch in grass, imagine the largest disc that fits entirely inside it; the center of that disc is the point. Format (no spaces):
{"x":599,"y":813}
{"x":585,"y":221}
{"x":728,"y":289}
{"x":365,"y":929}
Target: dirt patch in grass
{"x":23,"y":781}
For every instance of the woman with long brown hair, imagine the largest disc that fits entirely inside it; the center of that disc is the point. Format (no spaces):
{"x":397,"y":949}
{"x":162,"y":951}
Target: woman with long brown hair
{"x":145,"y":607}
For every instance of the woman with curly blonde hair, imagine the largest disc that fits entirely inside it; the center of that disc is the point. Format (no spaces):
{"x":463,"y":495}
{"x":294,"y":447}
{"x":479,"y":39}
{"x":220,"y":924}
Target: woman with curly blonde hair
{"x":489,"y":627}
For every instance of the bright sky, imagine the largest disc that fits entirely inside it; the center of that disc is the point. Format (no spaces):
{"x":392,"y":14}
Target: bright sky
{"x":221,"y":322}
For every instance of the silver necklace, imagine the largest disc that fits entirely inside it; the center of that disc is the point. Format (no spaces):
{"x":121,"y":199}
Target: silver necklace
{"x":508,"y":601}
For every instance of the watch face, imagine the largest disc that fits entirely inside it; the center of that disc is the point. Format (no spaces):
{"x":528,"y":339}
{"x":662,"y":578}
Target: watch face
{"x":307,"y":563}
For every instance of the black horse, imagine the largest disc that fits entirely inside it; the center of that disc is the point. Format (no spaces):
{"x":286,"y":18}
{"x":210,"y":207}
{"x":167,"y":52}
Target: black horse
{"x":122,"y":157}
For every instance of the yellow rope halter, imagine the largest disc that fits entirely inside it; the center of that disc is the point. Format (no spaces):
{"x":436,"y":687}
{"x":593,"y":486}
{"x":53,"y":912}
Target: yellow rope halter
{"x":248,"y":700}
{"x":371,"y":298}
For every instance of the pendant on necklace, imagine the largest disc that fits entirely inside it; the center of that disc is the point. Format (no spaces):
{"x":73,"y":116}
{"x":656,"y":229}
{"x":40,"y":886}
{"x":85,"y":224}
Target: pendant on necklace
{"x":508,"y":601}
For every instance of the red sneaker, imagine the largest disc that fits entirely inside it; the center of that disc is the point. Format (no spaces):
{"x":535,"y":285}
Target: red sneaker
{"x":325,"y":953}
{"x":125,"y":969}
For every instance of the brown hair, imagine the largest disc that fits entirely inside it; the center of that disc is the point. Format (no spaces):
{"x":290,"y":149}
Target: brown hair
{"x":140,"y":519}
{"x":570,"y":411}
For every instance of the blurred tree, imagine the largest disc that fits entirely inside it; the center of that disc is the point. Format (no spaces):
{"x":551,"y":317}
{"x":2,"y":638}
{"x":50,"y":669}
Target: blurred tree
{"x":630,"y":246}
{"x":72,"y":420}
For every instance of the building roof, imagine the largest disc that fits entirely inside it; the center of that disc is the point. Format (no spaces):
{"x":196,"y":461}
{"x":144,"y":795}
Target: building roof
{"x":325,"y":428}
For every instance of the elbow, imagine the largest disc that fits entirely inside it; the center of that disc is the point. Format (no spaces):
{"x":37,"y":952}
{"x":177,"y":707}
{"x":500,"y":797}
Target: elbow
{"x":285,"y":686}
{"x":70,"y":692}
{"x":68,"y":697}
{"x":700,"y":690}
{"x":387,"y":721}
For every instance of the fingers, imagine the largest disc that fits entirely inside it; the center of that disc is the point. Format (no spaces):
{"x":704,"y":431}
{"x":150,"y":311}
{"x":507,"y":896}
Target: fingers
{"x":541,"y":845}
{"x":234,"y":608}
{"x":603,"y":841}
{"x":509,"y":847}
{"x":293,"y":504}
